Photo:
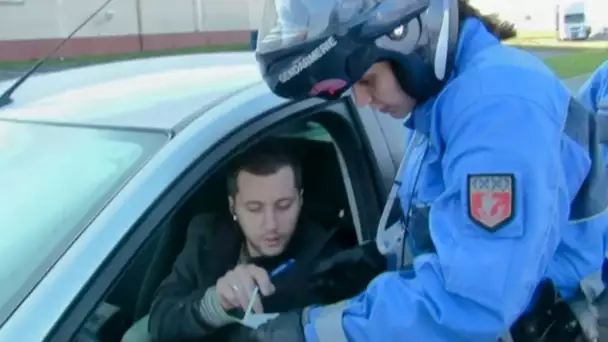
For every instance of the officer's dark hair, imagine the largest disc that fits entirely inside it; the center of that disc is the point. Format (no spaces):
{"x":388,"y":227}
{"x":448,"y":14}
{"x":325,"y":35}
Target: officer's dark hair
{"x":501,"y":29}
{"x":264,"y":159}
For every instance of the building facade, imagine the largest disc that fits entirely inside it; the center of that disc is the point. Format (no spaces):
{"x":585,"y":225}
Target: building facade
{"x":30,"y":29}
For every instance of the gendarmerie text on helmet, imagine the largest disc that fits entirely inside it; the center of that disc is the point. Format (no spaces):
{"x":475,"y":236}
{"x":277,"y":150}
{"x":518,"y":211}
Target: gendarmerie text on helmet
{"x":308,"y":60}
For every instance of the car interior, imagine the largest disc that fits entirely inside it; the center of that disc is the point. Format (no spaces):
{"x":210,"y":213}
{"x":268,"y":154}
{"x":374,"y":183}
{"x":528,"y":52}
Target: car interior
{"x":325,"y":202}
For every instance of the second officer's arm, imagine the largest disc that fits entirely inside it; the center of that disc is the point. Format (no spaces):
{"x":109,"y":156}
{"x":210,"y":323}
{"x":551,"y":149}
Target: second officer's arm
{"x":479,"y":280}
{"x":596,"y":88}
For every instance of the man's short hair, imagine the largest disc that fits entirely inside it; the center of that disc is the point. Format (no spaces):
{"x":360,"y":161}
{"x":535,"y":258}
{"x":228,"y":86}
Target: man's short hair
{"x":264,"y":159}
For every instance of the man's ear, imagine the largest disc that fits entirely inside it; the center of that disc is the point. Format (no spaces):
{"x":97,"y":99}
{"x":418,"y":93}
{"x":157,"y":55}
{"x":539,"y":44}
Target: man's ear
{"x":301,"y":197}
{"x":231,"y":205}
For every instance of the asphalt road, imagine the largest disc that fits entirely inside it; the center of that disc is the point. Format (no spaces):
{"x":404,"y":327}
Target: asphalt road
{"x":545,"y":53}
{"x":541,"y":53}
{"x":575,"y":83}
{"x":8,"y":74}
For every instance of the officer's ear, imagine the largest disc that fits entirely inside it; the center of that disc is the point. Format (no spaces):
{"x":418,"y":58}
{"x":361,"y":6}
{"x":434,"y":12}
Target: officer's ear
{"x":301,"y":197}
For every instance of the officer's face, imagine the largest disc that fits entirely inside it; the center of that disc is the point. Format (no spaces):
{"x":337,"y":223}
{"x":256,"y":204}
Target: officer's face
{"x":267,"y":208}
{"x":379,"y":89}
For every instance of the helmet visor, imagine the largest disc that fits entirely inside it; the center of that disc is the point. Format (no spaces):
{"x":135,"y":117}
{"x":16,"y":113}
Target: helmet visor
{"x":287,"y":23}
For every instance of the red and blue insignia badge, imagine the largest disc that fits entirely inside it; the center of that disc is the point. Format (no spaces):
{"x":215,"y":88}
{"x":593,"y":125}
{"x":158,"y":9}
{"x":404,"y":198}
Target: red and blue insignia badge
{"x":491,"y":199}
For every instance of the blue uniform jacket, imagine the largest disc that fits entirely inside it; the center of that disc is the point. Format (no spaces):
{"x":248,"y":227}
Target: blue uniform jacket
{"x":498,"y":161}
{"x":595,"y":90}
{"x":594,"y":95}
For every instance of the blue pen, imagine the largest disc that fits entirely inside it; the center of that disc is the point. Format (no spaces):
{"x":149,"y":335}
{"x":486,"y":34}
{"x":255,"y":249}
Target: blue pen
{"x":284,"y":267}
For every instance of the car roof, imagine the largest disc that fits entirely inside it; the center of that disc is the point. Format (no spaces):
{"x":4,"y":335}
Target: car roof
{"x":160,"y":93}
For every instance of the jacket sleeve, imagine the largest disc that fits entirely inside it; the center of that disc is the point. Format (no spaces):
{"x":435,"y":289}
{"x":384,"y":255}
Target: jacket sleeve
{"x":176,"y":309}
{"x":596,"y":88}
{"x":491,"y":251}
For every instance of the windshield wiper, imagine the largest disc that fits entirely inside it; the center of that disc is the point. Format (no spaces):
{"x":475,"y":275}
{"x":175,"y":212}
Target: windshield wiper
{"x":6,"y":97}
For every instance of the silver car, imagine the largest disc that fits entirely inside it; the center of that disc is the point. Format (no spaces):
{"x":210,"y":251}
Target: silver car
{"x":102,"y":167}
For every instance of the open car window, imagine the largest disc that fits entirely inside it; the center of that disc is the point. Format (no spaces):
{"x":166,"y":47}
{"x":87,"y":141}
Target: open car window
{"x":309,"y":131}
{"x":54,"y":181}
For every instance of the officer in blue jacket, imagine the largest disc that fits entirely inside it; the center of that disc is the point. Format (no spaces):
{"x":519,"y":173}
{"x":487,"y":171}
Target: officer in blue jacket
{"x":594,"y":93}
{"x":500,"y":179}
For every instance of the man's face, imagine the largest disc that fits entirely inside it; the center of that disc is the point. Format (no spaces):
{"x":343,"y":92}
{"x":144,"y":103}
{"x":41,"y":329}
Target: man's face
{"x":267,"y":209}
{"x":379,"y":89}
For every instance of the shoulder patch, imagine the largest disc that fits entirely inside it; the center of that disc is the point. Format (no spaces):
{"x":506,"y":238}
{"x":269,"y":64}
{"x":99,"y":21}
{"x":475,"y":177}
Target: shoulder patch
{"x":491,"y":199}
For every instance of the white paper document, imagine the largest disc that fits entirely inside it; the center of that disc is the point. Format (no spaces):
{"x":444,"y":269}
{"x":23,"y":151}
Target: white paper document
{"x":254,"y":320}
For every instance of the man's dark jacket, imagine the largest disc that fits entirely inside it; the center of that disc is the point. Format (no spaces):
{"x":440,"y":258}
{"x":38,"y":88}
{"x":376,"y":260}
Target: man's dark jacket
{"x":213,"y":247}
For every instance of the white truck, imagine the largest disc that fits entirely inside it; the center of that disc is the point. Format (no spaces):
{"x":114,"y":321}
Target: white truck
{"x":572,"y":21}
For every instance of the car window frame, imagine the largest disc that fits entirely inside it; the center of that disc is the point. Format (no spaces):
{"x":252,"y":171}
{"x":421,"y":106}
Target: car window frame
{"x":386,"y":142}
{"x":365,"y":192}
{"x":395,"y":135}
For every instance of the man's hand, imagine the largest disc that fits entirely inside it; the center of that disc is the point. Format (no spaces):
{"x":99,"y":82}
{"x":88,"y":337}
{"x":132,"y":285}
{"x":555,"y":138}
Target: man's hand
{"x":236,"y":287}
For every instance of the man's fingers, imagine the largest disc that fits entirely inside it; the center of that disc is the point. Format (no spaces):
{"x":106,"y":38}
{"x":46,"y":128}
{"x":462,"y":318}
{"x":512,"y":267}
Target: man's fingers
{"x":246,"y":285}
{"x":262,"y":280}
{"x":228,"y":296}
{"x":257,"y":306}
{"x":237,"y":286}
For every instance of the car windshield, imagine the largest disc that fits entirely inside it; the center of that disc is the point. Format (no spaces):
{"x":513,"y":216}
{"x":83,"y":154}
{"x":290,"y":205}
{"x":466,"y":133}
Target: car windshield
{"x":54,"y":180}
{"x":576,"y":18}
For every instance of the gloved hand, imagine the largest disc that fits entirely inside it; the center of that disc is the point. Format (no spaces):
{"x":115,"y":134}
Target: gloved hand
{"x":346,"y":273}
{"x":364,"y":254}
{"x":286,"y":327}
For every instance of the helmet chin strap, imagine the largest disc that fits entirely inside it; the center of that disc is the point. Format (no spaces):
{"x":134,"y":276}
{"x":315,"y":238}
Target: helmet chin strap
{"x":441,"y":54}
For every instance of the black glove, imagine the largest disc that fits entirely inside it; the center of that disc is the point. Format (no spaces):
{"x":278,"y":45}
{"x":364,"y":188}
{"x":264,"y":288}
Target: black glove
{"x":365,"y":255}
{"x":346,"y":273}
{"x":286,"y":327}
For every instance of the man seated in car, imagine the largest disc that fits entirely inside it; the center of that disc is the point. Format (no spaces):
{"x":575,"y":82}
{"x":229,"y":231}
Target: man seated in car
{"x":226,"y":257}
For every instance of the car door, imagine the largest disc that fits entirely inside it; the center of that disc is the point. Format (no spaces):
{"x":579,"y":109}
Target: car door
{"x":386,"y":138}
{"x":230,"y":126}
